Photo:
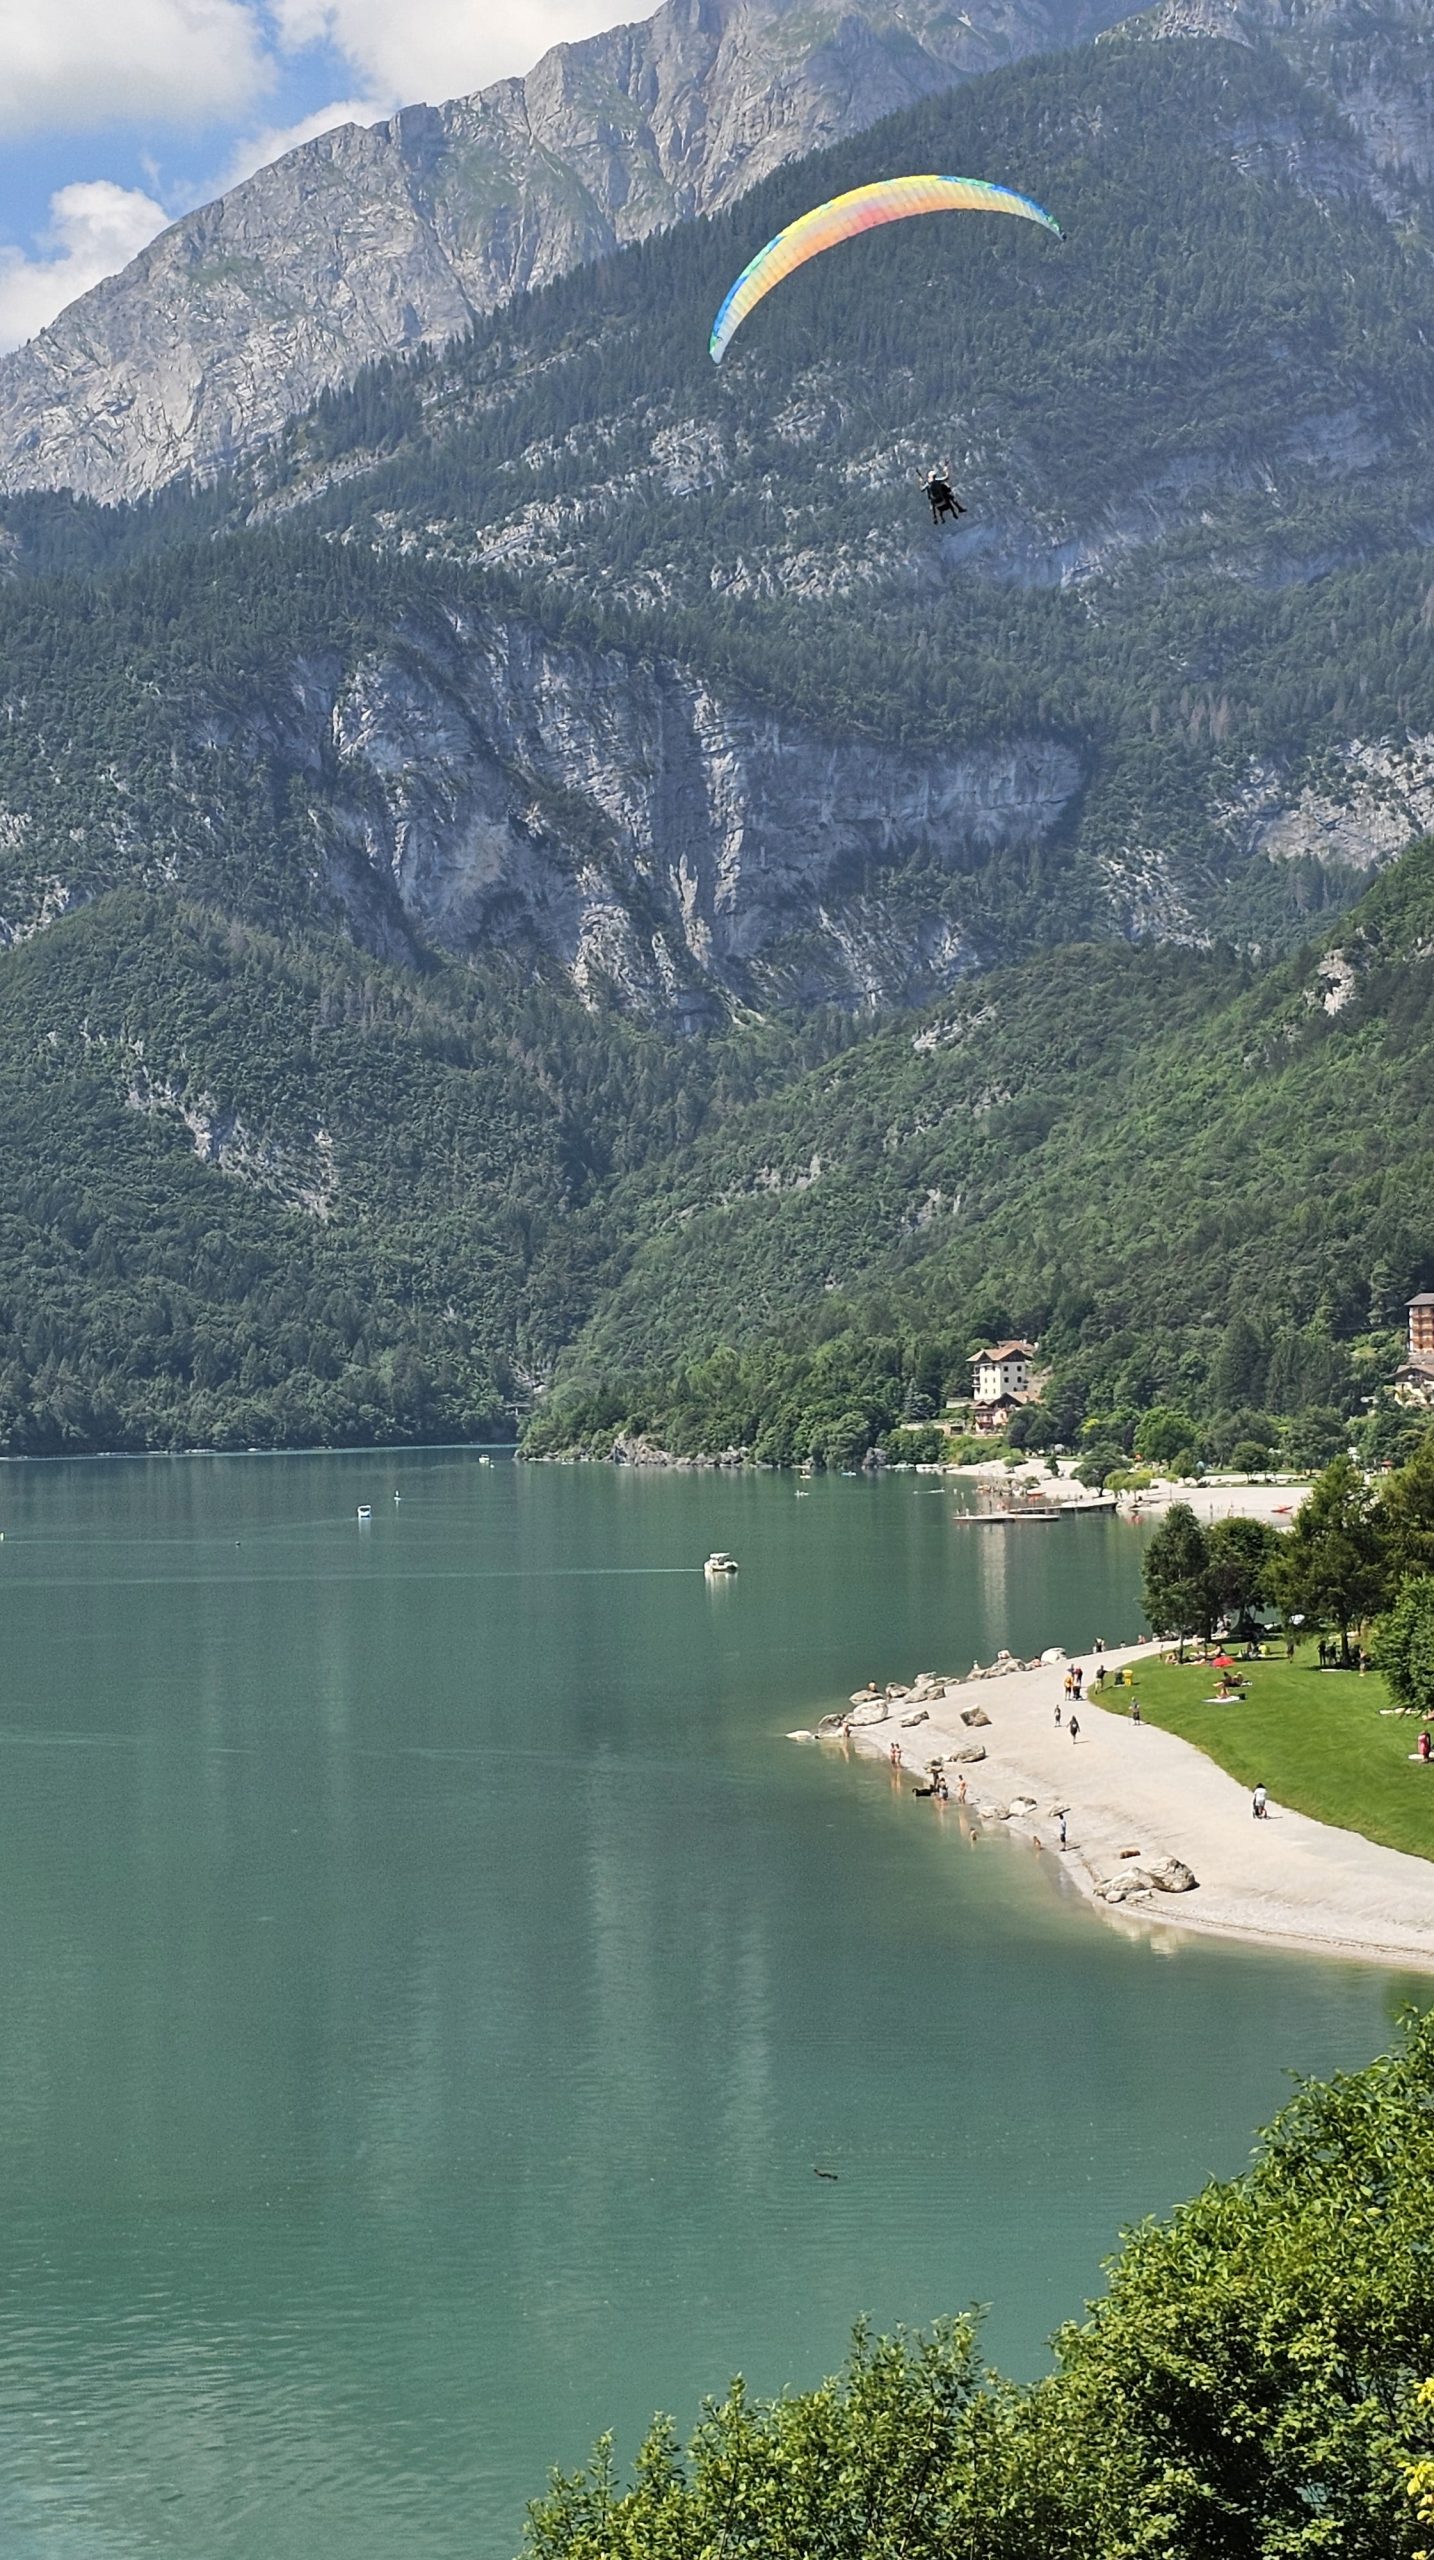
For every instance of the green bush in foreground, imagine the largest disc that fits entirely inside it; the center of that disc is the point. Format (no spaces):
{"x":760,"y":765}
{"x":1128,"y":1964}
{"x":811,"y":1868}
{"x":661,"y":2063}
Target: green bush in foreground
{"x":1247,"y":2389}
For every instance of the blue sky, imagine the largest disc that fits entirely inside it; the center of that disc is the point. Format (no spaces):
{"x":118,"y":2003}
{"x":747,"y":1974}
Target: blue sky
{"x":118,"y":115}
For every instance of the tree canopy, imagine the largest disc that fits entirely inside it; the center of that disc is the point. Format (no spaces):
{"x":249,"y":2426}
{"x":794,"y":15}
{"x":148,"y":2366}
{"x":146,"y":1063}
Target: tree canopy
{"x":1249,"y":2387}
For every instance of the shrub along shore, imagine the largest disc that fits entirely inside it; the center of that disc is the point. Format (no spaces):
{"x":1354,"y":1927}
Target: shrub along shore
{"x":1252,"y":2385}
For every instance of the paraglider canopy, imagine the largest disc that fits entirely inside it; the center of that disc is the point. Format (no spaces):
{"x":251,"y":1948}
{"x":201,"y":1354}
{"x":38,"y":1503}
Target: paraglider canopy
{"x":842,"y":217}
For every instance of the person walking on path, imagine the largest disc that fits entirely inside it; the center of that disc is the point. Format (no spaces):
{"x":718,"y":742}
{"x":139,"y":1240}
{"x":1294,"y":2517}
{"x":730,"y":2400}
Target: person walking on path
{"x":1075,"y":1728}
{"x":1258,"y":1804}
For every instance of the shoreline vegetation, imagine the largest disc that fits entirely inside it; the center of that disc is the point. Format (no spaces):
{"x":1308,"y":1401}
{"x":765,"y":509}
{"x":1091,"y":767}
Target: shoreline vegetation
{"x":1253,"y":2381}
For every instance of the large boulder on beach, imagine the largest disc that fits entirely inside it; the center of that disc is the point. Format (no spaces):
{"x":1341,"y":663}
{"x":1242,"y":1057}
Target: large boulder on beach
{"x":919,"y":1717}
{"x":875,"y":1711}
{"x":974,"y":1715}
{"x":970,"y":1751}
{"x":1125,"y":1886}
{"x":1172,"y":1875}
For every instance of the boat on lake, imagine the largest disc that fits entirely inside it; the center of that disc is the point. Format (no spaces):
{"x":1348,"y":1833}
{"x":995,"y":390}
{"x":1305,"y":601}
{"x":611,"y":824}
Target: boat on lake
{"x":718,"y":1564}
{"x":365,"y":1511}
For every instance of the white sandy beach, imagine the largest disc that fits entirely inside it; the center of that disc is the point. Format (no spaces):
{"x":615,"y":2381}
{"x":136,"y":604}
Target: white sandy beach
{"x":1286,"y":1881}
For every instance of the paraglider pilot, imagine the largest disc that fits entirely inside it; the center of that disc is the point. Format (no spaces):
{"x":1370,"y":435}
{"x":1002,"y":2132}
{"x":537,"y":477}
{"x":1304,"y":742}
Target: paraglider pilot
{"x":944,"y":501}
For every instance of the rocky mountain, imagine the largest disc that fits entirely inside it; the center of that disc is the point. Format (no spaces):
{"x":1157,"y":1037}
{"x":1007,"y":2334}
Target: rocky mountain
{"x":560,"y":649}
{"x":368,"y":242}
{"x":1375,"y":65}
{"x":371,"y":815}
{"x":1192,"y":580}
{"x":458,"y":781}
{"x":663,"y":844}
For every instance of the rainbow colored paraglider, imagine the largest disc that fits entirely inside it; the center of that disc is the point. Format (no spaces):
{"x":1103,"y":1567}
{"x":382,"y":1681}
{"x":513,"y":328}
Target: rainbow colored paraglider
{"x":862,"y":209}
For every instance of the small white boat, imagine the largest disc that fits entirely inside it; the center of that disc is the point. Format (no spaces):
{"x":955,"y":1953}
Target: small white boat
{"x":718,"y":1563}
{"x":365,"y":1511}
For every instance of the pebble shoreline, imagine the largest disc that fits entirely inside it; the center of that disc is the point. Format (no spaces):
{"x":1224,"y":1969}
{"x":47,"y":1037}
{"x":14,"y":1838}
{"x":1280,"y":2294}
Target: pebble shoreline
{"x":1125,"y":1788}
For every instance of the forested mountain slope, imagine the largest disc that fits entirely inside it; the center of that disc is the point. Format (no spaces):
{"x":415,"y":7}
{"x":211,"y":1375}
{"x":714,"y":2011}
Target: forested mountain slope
{"x":259,"y":1190}
{"x":1194,"y":1183}
{"x":367,"y":241}
{"x":561,"y":666}
{"x":690,"y":635}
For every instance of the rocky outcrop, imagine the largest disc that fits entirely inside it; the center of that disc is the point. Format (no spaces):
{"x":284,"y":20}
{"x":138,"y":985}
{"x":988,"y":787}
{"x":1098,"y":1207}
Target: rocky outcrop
{"x":1171,"y":1875}
{"x":370,"y":241}
{"x":1375,"y":66}
{"x":477,"y":786}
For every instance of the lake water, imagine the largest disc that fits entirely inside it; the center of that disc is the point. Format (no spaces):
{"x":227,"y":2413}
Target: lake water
{"x":429,"y":1979}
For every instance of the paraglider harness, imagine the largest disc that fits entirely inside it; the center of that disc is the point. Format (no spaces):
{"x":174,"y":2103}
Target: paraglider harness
{"x":944,"y":501}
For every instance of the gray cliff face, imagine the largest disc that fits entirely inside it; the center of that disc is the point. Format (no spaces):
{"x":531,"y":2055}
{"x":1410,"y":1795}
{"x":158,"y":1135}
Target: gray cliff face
{"x":484,"y":788}
{"x":1375,"y":66}
{"x":364,"y":243}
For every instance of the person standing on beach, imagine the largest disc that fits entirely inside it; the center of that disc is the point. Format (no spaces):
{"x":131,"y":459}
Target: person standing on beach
{"x":1062,"y":1820}
{"x":1074,"y":1728}
{"x":1058,"y":1711}
{"x":896,"y":1755}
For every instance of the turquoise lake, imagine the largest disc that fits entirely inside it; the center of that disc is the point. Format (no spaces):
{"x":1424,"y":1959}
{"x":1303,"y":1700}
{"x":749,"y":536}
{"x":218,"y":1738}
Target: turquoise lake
{"x":430,"y":1977}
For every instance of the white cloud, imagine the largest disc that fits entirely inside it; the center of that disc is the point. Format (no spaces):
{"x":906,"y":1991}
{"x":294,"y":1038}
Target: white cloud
{"x":94,"y":228}
{"x":71,"y":65}
{"x":258,"y":149}
{"x":438,"y":49}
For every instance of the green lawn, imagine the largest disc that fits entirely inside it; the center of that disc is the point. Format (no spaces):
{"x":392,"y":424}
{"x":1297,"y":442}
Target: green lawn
{"x":1316,"y":1738}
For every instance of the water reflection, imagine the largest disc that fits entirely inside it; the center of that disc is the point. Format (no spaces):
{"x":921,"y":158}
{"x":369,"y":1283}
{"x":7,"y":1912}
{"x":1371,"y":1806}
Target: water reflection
{"x":431,"y":1979}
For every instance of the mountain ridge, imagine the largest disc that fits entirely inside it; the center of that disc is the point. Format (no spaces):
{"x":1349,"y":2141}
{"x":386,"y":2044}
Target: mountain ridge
{"x":369,"y":241}
{"x":563,"y":645}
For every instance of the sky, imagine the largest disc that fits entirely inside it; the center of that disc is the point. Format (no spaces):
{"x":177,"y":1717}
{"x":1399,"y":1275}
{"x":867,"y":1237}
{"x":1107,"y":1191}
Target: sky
{"x":116,"y":116}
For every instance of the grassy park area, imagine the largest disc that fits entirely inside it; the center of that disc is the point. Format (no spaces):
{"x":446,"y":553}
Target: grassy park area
{"x":1316,"y":1738}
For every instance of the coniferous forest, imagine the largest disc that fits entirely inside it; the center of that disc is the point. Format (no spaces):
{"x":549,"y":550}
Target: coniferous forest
{"x":292,"y":1157}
